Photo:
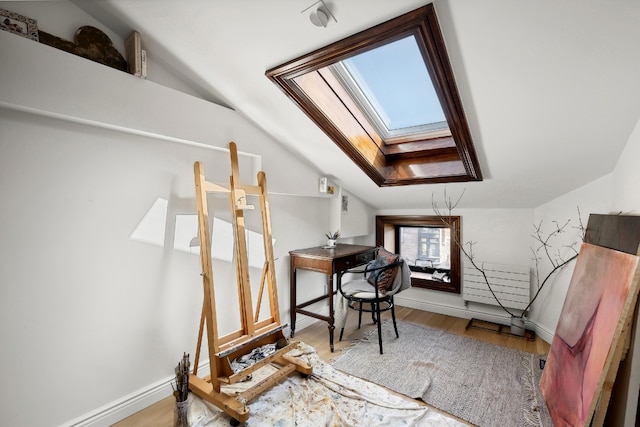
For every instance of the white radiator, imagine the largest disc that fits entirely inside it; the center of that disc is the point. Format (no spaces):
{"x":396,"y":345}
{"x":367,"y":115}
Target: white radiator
{"x":510,"y":283}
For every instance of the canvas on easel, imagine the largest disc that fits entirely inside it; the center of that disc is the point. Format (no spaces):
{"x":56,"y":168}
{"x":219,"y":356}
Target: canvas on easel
{"x":622,"y":233}
{"x":587,"y":346}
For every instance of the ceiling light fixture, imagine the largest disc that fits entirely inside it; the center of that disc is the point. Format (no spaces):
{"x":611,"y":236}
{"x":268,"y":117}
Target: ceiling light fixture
{"x":320,"y":16}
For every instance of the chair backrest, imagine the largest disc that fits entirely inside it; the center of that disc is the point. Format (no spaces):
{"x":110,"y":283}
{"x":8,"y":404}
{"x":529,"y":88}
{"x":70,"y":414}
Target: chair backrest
{"x":402,"y":280}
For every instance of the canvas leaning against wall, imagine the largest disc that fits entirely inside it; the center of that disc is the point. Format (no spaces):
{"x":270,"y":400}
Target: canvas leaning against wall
{"x":599,"y":299}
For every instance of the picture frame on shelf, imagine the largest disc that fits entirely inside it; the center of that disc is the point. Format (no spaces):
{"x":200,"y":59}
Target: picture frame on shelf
{"x":18,"y":24}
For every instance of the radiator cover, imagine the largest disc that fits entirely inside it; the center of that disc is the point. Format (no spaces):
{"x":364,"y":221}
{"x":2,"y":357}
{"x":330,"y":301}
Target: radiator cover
{"x":510,"y":283}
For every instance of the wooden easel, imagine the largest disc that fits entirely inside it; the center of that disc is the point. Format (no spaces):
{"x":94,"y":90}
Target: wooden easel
{"x":253,"y":333}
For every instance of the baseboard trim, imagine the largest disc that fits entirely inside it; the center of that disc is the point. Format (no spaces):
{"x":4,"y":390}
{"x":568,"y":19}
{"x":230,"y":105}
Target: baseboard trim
{"x":467,"y":313}
{"x":449,"y":310}
{"x":543,"y":332}
{"x":128,"y":405}
{"x":305,"y":322}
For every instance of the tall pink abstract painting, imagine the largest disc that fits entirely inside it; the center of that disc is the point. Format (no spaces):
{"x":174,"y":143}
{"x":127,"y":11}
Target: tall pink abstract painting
{"x":602,"y":288}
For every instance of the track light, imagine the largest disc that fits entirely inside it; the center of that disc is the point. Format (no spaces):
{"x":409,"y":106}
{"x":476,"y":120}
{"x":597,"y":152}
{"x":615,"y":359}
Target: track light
{"x":320,"y":16}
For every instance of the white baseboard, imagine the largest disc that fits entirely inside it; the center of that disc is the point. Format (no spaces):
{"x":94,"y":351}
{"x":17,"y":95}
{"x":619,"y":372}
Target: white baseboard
{"x":128,"y":405}
{"x":305,"y":321}
{"x":449,"y":310}
{"x":469,"y":313}
{"x":543,"y":332}
{"x":302,"y":321}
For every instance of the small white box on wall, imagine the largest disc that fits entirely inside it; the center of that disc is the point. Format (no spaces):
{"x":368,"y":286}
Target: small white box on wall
{"x":323,"y":185}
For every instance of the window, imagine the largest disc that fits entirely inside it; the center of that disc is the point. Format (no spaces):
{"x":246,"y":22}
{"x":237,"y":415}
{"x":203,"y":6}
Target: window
{"x":428,"y":245}
{"x":431,"y":243}
{"x":391,"y":85}
{"x":388,"y":98}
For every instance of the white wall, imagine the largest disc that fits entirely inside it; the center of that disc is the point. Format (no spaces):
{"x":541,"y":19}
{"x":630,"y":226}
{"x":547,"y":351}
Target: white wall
{"x":353,"y":218}
{"x":614,"y":193}
{"x":593,"y":198}
{"x":93,"y":320}
{"x":500,"y":236}
{"x":626,"y":178}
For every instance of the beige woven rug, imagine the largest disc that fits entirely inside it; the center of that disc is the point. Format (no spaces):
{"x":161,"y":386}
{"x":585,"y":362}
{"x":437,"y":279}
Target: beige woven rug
{"x":481,"y":383}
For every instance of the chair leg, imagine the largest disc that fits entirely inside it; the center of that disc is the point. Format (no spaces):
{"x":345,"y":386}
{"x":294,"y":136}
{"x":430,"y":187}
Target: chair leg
{"x":341,"y":332}
{"x":360,"y":315}
{"x":379,"y":327}
{"x":393,"y":316}
{"x":373,"y":312}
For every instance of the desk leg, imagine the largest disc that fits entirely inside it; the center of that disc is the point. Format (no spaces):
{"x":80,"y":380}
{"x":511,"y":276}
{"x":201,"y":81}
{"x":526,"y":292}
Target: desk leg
{"x":292,"y":296}
{"x":331,"y":314}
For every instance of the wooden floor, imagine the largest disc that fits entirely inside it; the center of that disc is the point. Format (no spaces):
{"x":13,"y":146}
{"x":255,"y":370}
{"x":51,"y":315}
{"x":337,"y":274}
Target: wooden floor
{"x":161,"y":413}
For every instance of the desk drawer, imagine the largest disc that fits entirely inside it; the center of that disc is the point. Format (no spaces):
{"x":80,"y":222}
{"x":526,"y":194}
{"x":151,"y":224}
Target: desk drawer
{"x":355,"y":260}
{"x":314,"y":264}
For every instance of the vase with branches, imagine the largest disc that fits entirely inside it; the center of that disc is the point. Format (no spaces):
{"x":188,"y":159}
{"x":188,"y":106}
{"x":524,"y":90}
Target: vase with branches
{"x":544,"y":251}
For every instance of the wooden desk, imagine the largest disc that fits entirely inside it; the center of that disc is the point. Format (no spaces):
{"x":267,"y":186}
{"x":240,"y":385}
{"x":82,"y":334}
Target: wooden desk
{"x":329,"y":262}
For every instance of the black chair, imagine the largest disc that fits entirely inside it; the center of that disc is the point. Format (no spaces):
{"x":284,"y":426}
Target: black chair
{"x":364,"y":295}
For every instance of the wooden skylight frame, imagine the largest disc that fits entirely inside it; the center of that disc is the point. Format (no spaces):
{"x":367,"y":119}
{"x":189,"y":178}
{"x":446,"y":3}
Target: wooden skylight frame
{"x":419,"y":159}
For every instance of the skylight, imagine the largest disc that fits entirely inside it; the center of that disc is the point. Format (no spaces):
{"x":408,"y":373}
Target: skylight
{"x":388,"y":98}
{"x":393,"y":85}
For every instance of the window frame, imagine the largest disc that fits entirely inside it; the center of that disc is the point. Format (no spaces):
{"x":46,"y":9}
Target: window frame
{"x":406,"y":160}
{"x":386,"y":236}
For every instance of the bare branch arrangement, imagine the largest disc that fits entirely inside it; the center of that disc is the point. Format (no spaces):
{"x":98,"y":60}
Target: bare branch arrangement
{"x":544,"y":250}
{"x":445,"y":216}
{"x":555,"y":258}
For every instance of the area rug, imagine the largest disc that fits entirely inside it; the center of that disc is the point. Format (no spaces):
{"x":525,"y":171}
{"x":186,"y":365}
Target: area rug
{"x":327,"y":397}
{"x":484,"y":384}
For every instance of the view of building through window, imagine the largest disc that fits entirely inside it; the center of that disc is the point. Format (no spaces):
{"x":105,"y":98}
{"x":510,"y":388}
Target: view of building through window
{"x":427,"y":250}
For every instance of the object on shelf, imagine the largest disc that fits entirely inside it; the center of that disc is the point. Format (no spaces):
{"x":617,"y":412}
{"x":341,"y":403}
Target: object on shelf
{"x":136,"y":56}
{"x":90,"y":43}
{"x":18,"y":24}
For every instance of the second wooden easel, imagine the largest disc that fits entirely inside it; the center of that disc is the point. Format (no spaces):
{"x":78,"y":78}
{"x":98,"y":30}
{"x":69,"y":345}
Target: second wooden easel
{"x":253,"y":333}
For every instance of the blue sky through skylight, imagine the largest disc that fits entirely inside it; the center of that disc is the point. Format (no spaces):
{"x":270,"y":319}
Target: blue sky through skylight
{"x":396,"y":82}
